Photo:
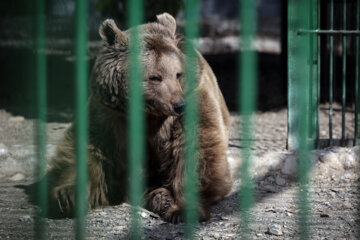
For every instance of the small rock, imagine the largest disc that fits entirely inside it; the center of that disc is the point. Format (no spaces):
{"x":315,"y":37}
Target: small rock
{"x":347,"y":176}
{"x":290,"y":166}
{"x":278,"y":210}
{"x":347,"y":205}
{"x":4,"y":152}
{"x":144,"y":214}
{"x":25,"y":218}
{"x":259,"y":234}
{"x":324,"y":215}
{"x":224,"y":218}
{"x":270,"y":188}
{"x":206,"y":238}
{"x":270,"y":179}
{"x":147,"y":228}
{"x":216,"y":235}
{"x":275,"y":229}
{"x":229,"y":235}
{"x":17,"y":177}
{"x":333,"y":194}
{"x":332,"y":160}
{"x":18,"y":119}
{"x":280,"y":181}
{"x":349,"y":159}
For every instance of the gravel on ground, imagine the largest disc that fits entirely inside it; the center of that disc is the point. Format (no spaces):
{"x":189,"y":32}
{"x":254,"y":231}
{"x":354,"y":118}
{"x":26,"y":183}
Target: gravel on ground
{"x":275,"y":213}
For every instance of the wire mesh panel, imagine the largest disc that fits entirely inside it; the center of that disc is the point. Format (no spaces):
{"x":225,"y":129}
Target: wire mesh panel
{"x":336,"y":35}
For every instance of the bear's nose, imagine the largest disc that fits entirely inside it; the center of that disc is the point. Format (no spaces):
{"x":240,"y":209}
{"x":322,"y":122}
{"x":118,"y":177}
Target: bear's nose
{"x":179,"y":107}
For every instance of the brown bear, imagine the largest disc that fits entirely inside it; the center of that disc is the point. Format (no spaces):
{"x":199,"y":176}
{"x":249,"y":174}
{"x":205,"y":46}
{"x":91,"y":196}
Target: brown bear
{"x":163,"y":85}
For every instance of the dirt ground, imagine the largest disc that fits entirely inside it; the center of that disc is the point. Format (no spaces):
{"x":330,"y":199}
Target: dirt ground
{"x":332,"y":188}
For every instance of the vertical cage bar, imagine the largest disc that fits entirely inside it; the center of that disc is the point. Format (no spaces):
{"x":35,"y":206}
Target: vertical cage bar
{"x":40,"y":41}
{"x":314,"y":97}
{"x":291,"y":116}
{"x":136,"y":117}
{"x":357,"y":103}
{"x":81,"y":76}
{"x":191,"y":120}
{"x":299,"y":48}
{"x":331,"y":74}
{"x":343,"y":80}
{"x":247,"y":102}
{"x":357,"y":79}
{"x":318,"y":80}
{"x":304,"y":123}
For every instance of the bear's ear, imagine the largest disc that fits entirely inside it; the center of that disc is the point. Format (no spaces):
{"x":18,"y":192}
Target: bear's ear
{"x":168,"y":21}
{"x":110,"y":33}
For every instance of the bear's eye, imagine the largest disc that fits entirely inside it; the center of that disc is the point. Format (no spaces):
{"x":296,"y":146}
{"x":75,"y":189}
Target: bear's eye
{"x":155,"y":78}
{"x":179,"y":75}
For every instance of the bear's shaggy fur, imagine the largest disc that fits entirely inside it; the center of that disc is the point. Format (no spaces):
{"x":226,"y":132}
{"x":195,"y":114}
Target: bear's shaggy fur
{"x":163,"y":60}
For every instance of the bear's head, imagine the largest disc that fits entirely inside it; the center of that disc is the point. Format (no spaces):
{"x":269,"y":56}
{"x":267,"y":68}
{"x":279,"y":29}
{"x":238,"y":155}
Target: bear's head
{"x":162,"y":62}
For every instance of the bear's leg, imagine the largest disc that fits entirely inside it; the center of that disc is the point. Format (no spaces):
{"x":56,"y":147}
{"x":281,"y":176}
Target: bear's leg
{"x":62,"y":196}
{"x":216,"y":179}
{"x":98,"y":186}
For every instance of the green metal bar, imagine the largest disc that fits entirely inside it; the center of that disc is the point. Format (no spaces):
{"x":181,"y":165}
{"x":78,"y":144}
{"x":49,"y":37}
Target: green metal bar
{"x":191,"y":120}
{"x":247,"y":103}
{"x":81,"y":116}
{"x":40,"y":41}
{"x":304,"y":123}
{"x":299,"y":104}
{"x":292,"y":116}
{"x":331,"y":80}
{"x":317,"y":122}
{"x":314,"y":97}
{"x":136,"y":117}
{"x":311,"y":68}
{"x":343,"y":81}
{"x":357,"y":80}
{"x":329,"y":32}
{"x":294,"y":41}
{"x":357,"y":104}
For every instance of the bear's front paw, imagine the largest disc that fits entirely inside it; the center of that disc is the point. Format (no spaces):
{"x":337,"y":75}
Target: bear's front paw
{"x":176,"y":215}
{"x":160,"y":200}
{"x":65,"y":198}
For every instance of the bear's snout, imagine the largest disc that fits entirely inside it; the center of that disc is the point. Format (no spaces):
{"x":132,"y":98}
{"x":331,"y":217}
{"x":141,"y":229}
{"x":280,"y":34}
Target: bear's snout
{"x":179,"y":107}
